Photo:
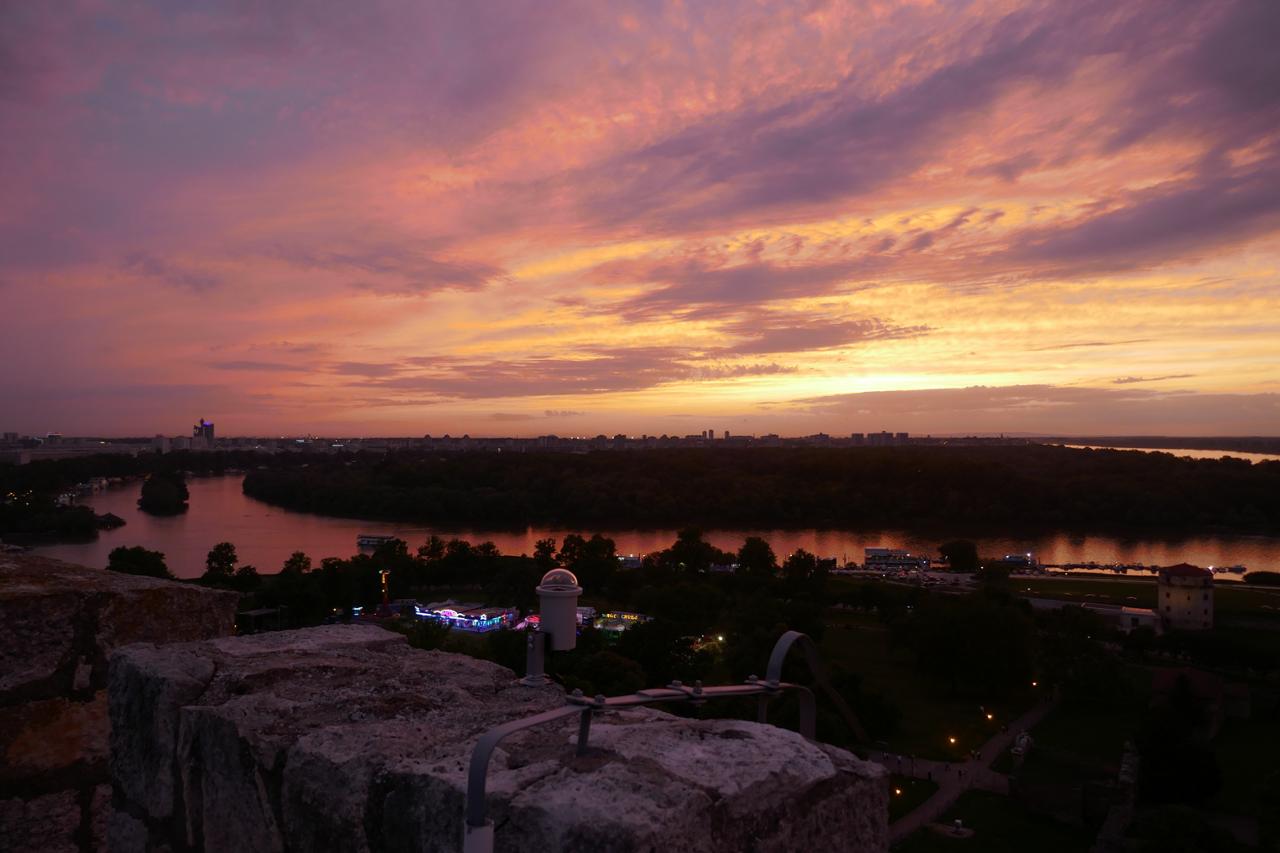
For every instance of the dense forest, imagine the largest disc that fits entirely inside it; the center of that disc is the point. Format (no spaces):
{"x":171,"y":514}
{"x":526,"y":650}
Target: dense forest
{"x":968,"y":489}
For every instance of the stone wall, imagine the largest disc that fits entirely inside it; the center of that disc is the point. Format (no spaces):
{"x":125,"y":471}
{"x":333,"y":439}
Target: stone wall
{"x":344,"y":738}
{"x":58,"y":625}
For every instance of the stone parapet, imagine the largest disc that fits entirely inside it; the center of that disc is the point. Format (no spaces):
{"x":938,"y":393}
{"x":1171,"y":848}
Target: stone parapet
{"x":345,"y":738}
{"x":59,"y":624}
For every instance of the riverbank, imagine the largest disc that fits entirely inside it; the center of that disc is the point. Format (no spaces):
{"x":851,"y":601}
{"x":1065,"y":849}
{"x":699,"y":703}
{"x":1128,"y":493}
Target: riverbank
{"x":265,"y":536}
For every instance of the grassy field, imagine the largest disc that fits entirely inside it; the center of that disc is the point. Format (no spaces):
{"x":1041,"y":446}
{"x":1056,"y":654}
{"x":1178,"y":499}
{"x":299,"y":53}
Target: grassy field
{"x":929,"y":717}
{"x":1135,"y":593}
{"x":1081,"y":740}
{"x":1076,"y":742}
{"x":1000,"y":826}
{"x":1250,"y":602}
{"x":1095,"y":735}
{"x":1229,"y":601}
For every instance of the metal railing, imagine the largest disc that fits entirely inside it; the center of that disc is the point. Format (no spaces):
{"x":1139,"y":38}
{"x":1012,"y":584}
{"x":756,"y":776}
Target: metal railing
{"x":478,"y":829}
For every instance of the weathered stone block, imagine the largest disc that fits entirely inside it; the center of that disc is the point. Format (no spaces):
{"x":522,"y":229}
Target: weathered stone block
{"x":343,"y":737}
{"x":58,"y":625}
{"x":125,"y":833}
{"x":165,"y":612}
{"x":100,"y":818}
{"x":56,"y":618}
{"x":37,"y":630}
{"x":47,"y":824}
{"x":147,"y":691}
{"x":51,"y":735}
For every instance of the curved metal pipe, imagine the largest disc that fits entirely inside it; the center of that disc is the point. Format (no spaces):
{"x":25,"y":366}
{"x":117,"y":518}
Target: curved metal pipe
{"x":479,"y":769}
{"x":773,"y":677}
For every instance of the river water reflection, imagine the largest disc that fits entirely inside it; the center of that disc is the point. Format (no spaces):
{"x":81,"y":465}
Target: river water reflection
{"x":265,"y":536}
{"x":1187,"y":452}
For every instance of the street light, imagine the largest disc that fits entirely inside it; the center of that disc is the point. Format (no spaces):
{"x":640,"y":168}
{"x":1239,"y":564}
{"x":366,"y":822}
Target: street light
{"x":952,"y":741}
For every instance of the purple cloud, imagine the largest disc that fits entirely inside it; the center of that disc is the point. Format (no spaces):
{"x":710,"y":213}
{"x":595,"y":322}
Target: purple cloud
{"x":600,"y":370}
{"x":706,"y":289}
{"x":169,"y":274}
{"x":1131,"y":380}
{"x":790,"y":334}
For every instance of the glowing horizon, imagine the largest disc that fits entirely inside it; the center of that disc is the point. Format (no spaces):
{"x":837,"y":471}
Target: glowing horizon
{"x":405,"y":218}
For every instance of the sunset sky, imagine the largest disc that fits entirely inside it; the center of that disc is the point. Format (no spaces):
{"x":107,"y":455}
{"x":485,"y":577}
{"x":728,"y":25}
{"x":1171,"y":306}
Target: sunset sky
{"x":398,"y":218}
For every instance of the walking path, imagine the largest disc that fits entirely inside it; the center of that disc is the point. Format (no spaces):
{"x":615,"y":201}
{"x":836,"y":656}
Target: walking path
{"x":954,"y":778}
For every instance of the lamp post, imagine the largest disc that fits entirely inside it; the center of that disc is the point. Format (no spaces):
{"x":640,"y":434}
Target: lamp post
{"x":385,"y":609}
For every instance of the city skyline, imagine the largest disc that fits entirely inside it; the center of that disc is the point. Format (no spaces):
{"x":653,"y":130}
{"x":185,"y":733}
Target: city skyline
{"x":400,"y":219}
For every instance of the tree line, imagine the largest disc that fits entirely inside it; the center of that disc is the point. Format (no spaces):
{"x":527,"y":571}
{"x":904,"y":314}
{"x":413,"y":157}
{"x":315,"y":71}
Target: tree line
{"x":975,"y":489}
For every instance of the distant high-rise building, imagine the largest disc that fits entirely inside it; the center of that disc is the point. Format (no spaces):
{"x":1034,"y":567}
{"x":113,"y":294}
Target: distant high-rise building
{"x":726,"y":435}
{"x":203,"y":431}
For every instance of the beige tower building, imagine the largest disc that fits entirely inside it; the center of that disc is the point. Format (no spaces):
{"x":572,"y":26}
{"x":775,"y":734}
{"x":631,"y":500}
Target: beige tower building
{"x":1184,"y":597}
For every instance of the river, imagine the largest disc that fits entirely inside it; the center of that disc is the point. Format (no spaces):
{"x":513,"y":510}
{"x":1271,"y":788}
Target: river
{"x":1188,"y":452}
{"x":265,"y":536}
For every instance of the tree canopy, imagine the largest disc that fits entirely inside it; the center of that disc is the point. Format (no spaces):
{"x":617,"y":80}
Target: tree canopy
{"x":164,"y":494}
{"x":138,"y":561}
{"x":971,"y":489}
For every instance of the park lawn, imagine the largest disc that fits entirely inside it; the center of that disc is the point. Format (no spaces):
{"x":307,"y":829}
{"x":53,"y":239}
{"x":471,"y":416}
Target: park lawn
{"x":929,"y":715}
{"x":1087,"y":739}
{"x":1094,"y":734}
{"x":1246,"y":602}
{"x":1073,"y":745}
{"x":851,"y":619}
{"x":1230,"y":600}
{"x":905,"y":794}
{"x":1000,"y":826}
{"x":1131,"y":593}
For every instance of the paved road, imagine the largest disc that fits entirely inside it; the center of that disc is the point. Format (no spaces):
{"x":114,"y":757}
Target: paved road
{"x":954,"y":778}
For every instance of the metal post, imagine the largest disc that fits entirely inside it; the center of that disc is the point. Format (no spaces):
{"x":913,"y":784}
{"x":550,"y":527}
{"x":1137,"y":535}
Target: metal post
{"x":808,"y":713}
{"x":478,"y":839}
{"x":535,"y":659}
{"x":584,"y":730}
